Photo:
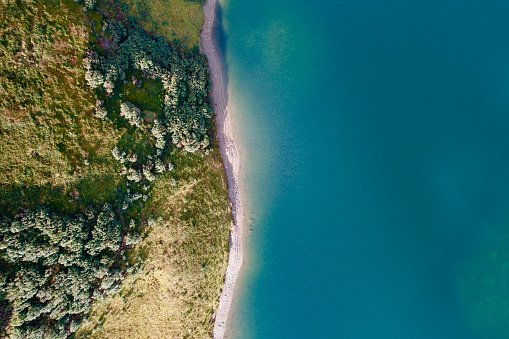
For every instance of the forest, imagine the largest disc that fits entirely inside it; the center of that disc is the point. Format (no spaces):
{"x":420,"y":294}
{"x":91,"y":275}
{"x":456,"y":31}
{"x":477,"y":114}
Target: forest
{"x":107,"y":136}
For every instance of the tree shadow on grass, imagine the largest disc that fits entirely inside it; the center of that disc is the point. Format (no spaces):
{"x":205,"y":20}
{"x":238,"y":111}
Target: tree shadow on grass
{"x":66,"y":200}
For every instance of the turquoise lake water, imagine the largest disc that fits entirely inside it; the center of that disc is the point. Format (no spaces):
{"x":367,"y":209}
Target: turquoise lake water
{"x":375,"y":167}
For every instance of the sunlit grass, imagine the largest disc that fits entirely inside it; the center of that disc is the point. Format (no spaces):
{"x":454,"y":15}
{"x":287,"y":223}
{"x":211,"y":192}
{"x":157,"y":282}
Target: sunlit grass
{"x":172,"y":19}
{"x":185,"y":257}
{"x":50,"y":141}
{"x":56,"y":153}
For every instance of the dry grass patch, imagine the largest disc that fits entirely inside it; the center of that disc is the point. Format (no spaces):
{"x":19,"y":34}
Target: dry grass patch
{"x":185,"y":256}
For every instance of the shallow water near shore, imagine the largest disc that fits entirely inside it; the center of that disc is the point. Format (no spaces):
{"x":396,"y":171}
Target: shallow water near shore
{"x":375,"y":167}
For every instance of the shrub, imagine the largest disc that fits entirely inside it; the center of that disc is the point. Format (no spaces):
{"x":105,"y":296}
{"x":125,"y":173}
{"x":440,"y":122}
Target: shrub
{"x":133,"y":175}
{"x":94,"y":78}
{"x":118,"y":154}
{"x":131,"y":112}
{"x":148,"y":174}
{"x":101,"y":113}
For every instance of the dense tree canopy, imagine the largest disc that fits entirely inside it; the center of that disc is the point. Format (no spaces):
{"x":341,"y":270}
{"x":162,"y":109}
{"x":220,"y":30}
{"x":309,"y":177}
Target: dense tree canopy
{"x":54,"y":264}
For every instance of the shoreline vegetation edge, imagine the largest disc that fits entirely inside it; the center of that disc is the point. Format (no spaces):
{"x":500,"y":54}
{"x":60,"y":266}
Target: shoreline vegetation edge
{"x":231,"y":164}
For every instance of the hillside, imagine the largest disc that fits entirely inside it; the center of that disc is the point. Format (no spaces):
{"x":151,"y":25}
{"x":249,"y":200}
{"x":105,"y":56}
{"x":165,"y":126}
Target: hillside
{"x":114,"y":208}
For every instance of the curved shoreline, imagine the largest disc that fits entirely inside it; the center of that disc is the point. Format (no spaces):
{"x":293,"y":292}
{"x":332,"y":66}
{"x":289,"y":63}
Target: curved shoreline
{"x":231,"y":165}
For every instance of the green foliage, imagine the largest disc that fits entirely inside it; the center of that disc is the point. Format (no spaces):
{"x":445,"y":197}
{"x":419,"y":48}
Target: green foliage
{"x":52,"y":149}
{"x":54,"y":264}
{"x":184,"y":250}
{"x":93,"y":117}
{"x":131,"y":112}
{"x":171,"y":19}
{"x":186,"y":111}
{"x":89,"y":4}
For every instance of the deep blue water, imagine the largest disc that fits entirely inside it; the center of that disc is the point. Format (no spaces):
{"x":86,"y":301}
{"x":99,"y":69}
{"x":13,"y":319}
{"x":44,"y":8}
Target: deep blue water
{"x":375,"y":165}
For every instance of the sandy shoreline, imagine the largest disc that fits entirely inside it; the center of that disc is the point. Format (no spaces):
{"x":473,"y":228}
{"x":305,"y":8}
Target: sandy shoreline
{"x":231,"y":164}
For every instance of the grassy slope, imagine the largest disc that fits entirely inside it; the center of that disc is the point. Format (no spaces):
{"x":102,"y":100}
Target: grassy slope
{"x":172,"y":19}
{"x":185,"y":258}
{"x":185,"y":254}
{"x":49,"y":134}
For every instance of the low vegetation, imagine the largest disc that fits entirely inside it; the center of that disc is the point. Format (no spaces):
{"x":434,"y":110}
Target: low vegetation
{"x":185,"y":256}
{"x":172,"y":19}
{"x":114,"y":211}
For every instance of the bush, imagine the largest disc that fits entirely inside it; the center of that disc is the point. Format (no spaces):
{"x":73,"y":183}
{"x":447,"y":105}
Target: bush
{"x":131,"y":112}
